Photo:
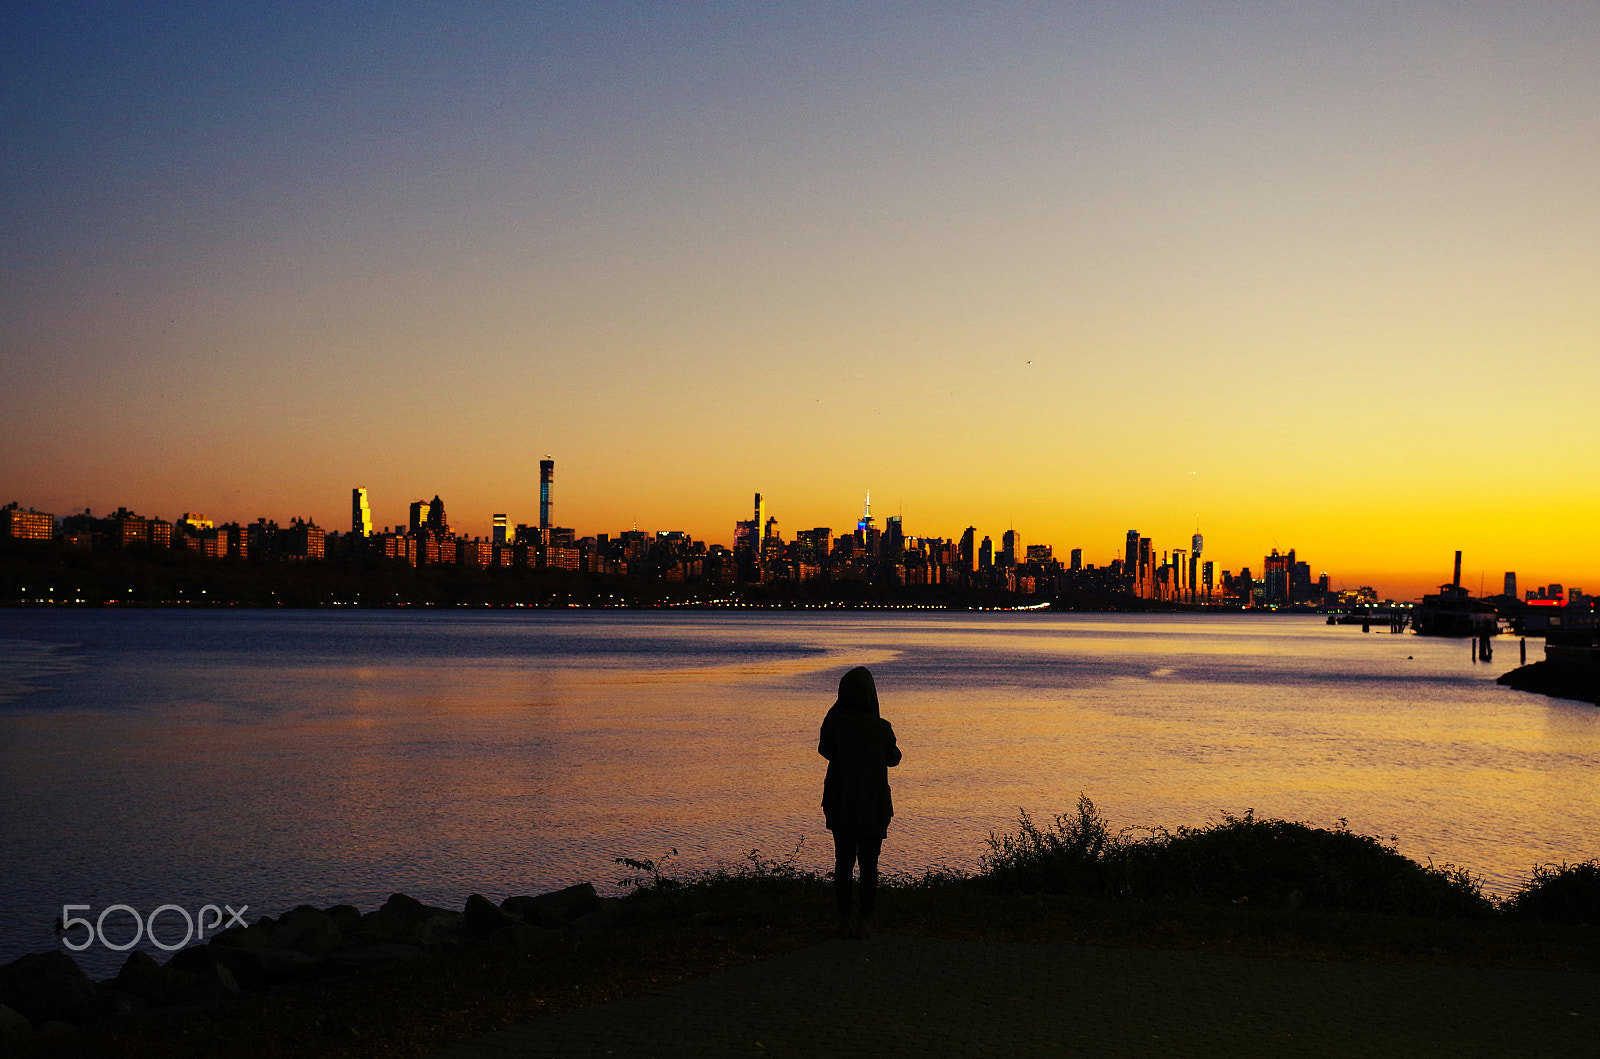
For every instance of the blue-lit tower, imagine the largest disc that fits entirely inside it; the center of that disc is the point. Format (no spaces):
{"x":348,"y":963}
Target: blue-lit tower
{"x":547,"y":474}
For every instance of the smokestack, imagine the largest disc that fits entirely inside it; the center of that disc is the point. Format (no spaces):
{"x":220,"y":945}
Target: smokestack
{"x":1457,"y":581}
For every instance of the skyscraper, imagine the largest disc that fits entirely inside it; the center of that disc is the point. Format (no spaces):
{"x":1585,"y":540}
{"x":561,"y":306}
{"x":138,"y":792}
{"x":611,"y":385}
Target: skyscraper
{"x":894,"y":538}
{"x":1277,"y":575}
{"x":864,"y":523}
{"x":502,"y":529}
{"x":814,"y":544}
{"x":1511,"y":584}
{"x":360,"y":513}
{"x":419,"y":515}
{"x":547,"y":474}
{"x":437,"y":522}
{"x":1199,"y":543}
{"x":969,"y":549}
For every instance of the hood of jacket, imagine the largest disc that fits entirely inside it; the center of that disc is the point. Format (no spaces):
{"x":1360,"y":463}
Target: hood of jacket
{"x":858,"y":693}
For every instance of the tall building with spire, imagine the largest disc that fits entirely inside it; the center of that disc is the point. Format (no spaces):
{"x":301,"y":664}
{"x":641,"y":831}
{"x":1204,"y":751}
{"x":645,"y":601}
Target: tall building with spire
{"x":547,"y":474}
{"x":1199,"y":544}
{"x":866,"y":532}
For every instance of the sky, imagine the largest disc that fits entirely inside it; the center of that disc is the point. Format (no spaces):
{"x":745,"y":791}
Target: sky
{"x":1310,"y":276}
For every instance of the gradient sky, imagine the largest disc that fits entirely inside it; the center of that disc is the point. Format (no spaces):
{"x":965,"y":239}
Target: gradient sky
{"x":1313,"y":276}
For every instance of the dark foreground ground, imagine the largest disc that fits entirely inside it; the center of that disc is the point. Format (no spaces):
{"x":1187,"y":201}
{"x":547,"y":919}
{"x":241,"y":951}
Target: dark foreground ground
{"x":1095,"y":967}
{"x":900,"y":996}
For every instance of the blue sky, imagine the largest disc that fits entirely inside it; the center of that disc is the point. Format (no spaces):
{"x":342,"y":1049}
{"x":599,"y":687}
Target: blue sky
{"x":1291,"y":271}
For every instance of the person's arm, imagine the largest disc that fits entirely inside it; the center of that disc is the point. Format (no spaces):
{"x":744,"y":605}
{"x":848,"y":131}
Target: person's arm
{"x":891,"y":751}
{"x":825,"y":742}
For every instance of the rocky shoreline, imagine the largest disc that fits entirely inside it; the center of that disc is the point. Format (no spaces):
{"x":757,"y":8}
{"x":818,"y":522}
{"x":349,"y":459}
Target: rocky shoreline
{"x":44,"y":992}
{"x":1557,"y":681}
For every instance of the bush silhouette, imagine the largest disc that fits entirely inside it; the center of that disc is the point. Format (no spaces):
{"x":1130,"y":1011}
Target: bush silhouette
{"x":1242,"y":860}
{"x":1566,"y":894}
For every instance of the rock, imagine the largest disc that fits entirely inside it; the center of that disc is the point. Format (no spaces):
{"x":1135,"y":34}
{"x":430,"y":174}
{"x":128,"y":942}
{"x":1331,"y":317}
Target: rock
{"x":219,"y":976}
{"x":443,"y":928}
{"x":346,"y":917}
{"x":43,"y":986}
{"x":215,"y":984}
{"x":487,"y":923}
{"x":55,"y":1028}
{"x":212,"y":986}
{"x":401,"y":918}
{"x":260,"y":954}
{"x":483,"y":918}
{"x":195,"y":960}
{"x":265,"y":966}
{"x":1543,"y":678}
{"x":143,"y":977}
{"x":262,"y":935}
{"x":308,"y":930}
{"x":104,"y":1006}
{"x":405,"y":907}
{"x":556,"y":909}
{"x":13,"y":1027}
{"x":612,"y":911}
{"x":527,"y":937}
{"x":373,"y":955}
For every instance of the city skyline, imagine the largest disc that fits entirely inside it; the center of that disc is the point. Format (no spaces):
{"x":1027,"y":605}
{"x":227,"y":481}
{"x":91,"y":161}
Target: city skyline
{"x":1136,"y":551}
{"x":1304,"y":278}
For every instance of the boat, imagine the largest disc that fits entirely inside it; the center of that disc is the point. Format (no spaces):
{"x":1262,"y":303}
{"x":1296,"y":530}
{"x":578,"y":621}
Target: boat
{"x":1453,"y":612}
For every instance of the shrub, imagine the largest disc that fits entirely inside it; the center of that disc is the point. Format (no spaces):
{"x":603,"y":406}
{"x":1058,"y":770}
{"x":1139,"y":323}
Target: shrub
{"x":1566,"y":894}
{"x":722,"y":887}
{"x":648,"y":875}
{"x":1290,"y":864}
{"x":1072,"y":855}
{"x":1240,"y":860}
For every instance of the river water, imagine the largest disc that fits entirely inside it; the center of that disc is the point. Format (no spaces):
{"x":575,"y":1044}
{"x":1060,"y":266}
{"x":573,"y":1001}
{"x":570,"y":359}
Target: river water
{"x":271,"y":758}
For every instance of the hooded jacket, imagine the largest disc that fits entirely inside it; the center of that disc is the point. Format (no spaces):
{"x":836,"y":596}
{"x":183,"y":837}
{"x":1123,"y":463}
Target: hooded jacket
{"x":860,"y":749}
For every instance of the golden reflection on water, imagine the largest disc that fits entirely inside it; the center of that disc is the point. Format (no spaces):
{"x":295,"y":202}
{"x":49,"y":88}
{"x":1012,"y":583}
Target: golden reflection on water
{"x":509,"y":753}
{"x":746,"y":672}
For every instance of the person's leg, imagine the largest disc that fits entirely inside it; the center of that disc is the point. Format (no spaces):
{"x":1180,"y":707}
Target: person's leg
{"x":868,"y":850}
{"x":844,"y":862}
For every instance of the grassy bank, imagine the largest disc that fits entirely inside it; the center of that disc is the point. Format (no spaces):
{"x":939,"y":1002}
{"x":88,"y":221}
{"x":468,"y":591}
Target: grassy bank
{"x":1242,"y":886}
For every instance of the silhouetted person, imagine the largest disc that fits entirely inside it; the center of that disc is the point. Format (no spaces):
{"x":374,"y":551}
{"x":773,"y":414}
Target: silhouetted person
{"x":860,"y":749}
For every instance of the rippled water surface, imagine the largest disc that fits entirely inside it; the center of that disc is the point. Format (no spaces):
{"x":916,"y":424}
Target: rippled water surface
{"x":272,"y":758}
